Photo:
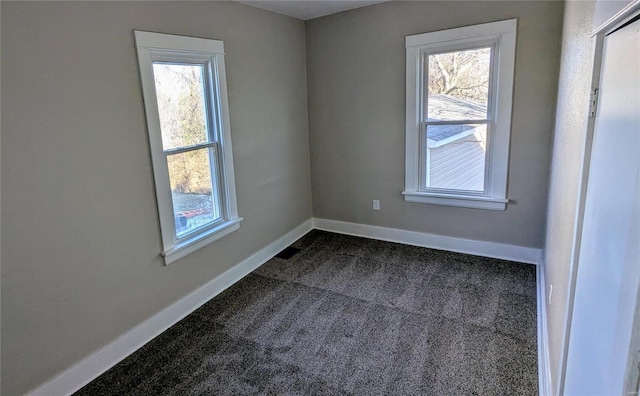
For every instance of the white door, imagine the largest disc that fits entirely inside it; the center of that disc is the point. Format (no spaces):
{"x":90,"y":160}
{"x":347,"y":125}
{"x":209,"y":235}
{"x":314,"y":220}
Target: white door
{"x":609,"y":263}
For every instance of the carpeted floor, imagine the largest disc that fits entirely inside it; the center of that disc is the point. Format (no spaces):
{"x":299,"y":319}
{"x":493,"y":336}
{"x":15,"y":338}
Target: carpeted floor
{"x":349,"y":315}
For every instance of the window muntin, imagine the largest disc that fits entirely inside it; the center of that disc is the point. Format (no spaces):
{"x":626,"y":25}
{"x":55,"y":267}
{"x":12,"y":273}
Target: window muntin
{"x":190,"y":143}
{"x":456,"y":95}
{"x":184,"y":87}
{"x":476,"y":124}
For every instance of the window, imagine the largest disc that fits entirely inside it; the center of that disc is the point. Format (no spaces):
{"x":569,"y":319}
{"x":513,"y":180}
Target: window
{"x":185,"y":98}
{"x":459,"y":89}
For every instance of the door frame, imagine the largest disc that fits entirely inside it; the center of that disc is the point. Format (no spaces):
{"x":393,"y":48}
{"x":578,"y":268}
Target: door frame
{"x":598,"y":34}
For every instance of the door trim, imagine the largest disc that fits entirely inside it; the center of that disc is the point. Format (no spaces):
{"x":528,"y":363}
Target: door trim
{"x":622,"y":17}
{"x":579,"y":219}
{"x":631,"y":11}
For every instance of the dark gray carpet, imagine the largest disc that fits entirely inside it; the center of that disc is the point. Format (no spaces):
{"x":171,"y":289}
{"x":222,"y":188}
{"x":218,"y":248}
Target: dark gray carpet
{"x":350,"y":315}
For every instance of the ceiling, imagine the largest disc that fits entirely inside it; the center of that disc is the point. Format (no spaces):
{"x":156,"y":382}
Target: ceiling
{"x":309,"y":9}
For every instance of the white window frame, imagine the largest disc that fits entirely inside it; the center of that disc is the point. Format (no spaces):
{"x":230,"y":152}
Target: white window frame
{"x":152,"y":47}
{"x":501,"y":36}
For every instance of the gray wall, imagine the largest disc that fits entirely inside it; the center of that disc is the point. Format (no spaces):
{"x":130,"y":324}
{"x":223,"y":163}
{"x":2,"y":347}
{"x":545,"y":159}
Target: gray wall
{"x":568,"y":146}
{"x":80,"y":262}
{"x":356,"y":83}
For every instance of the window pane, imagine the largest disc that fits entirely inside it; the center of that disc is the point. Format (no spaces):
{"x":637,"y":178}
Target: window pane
{"x":456,"y":156}
{"x":458,"y":85}
{"x":181,"y":104}
{"x":194,"y":195}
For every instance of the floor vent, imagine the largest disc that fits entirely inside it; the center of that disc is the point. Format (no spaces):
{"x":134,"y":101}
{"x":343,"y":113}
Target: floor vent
{"x":287,"y":253}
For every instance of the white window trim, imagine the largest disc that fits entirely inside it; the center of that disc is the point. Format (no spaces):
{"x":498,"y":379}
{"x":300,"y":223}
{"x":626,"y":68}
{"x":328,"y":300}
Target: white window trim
{"x":148,"y":46}
{"x":495,"y":195}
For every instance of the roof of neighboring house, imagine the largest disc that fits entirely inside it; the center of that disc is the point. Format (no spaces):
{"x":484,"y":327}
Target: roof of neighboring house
{"x":446,"y":108}
{"x":458,"y":166}
{"x":442,"y":132}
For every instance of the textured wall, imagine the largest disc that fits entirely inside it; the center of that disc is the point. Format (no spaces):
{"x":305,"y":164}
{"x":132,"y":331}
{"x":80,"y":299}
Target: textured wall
{"x":568,"y":146}
{"x":80,"y":262}
{"x":356,"y":83}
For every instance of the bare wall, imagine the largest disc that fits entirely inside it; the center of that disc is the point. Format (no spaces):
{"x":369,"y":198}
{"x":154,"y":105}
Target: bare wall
{"x":356,"y":83}
{"x":568,"y":146}
{"x":80,"y":262}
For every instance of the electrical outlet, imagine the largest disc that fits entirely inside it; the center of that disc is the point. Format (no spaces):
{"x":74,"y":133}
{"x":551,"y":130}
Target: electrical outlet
{"x":550,"y":293}
{"x":376,"y":204}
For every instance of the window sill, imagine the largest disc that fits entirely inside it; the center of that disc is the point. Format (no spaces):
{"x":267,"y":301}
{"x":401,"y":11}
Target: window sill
{"x":199,"y":241}
{"x":463,"y":201}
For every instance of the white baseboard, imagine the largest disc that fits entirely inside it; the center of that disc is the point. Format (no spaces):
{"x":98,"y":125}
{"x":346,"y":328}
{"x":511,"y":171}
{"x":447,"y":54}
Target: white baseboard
{"x":97,"y":363}
{"x":544,"y":370}
{"x":460,"y":245}
{"x":91,"y":367}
